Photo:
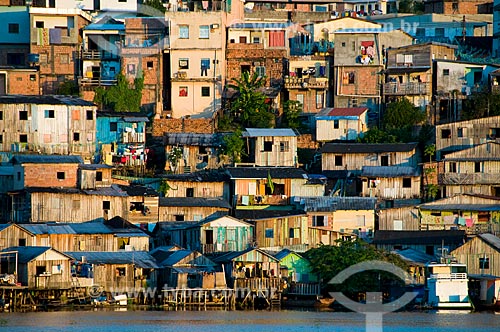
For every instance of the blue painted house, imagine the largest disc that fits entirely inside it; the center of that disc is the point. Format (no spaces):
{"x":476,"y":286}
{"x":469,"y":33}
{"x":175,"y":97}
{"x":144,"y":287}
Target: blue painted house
{"x":121,"y":138}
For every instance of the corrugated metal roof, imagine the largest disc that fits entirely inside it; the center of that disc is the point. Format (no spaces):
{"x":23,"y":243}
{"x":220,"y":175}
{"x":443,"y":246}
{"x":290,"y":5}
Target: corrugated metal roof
{"x":92,"y":227}
{"x":92,"y":167}
{"x":485,"y":152}
{"x":140,"y":259}
{"x":4,"y":226}
{"x":228,"y":257}
{"x":414,"y":256}
{"x":330,"y":204}
{"x":46,"y":159}
{"x":261,"y":25}
{"x":106,"y":23}
{"x":197,"y":139}
{"x":113,"y":190}
{"x":44,"y":100}
{"x":460,"y":207}
{"x":260,"y":214}
{"x":389,"y":171}
{"x":491,"y":239}
{"x":342,"y":111}
{"x":263,"y":172}
{"x":212,"y":175}
{"x":283,"y":253}
{"x":194,"y":202}
{"x":28,"y":253}
{"x":367,"y":148}
{"x":171,"y":258}
{"x":264,"y":132}
{"x":419,"y":237}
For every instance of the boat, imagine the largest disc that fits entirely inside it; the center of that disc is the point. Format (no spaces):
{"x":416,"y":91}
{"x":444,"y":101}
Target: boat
{"x":447,"y":286}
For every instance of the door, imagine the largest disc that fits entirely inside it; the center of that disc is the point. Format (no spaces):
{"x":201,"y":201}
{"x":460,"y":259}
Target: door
{"x":3,"y":86}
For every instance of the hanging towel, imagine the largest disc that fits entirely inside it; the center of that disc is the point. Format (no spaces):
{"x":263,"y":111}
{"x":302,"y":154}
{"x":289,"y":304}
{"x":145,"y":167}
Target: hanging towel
{"x":55,"y":36}
{"x":461,"y":221}
{"x":449,"y":219}
{"x":469,"y":222}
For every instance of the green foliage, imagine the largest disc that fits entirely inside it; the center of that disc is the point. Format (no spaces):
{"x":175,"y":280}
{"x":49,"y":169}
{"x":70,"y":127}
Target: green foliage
{"x":152,"y":8}
{"x":431,"y":192}
{"x":121,"y":97}
{"x":174,"y":156}
{"x":376,"y":135}
{"x":68,"y":88}
{"x":481,"y":105}
{"x":328,"y":261}
{"x":402,"y":115}
{"x":291,"y":112}
{"x":233,"y":146}
{"x":430,"y":151}
{"x":165,"y":188}
{"x":249,"y":108}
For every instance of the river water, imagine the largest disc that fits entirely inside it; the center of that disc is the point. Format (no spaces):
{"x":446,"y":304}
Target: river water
{"x":241,"y":321}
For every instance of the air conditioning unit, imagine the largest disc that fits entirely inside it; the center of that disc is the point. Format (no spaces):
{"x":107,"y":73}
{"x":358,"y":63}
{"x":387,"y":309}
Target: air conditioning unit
{"x":214,"y":26}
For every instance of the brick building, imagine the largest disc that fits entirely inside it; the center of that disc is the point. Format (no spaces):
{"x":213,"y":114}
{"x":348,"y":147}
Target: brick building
{"x":458,"y":7}
{"x":56,"y":40}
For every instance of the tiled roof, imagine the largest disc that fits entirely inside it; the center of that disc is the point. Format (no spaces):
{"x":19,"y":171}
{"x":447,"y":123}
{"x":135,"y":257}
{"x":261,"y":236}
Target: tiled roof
{"x":342,"y":111}
{"x":367,"y":147}
{"x":266,"y":214}
{"x":262,"y":173}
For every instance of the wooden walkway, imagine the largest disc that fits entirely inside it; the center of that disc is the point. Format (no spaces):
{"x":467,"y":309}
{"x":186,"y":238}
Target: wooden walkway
{"x":199,"y":297}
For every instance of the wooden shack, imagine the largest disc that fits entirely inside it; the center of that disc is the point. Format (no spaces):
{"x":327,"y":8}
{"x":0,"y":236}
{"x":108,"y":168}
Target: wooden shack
{"x":37,"y":267}
{"x":206,"y":184}
{"x":481,"y":255}
{"x":13,"y":235}
{"x":391,"y":183}
{"x":191,"y":208}
{"x":116,"y":272}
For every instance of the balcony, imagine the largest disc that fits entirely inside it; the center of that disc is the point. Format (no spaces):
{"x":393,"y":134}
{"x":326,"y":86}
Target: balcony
{"x":404,"y":89}
{"x":306,"y":83}
{"x":90,"y":81}
{"x":99,"y":55}
{"x":262,"y":200}
{"x":468,"y":178}
{"x":133,"y":137}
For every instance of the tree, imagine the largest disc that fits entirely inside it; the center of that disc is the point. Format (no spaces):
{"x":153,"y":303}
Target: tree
{"x":430,"y":151}
{"x":233,"y":146}
{"x":121,"y":97}
{"x":402,"y":115}
{"x":250,"y":108}
{"x":174,"y":156}
{"x":328,"y":261}
{"x":376,"y":135}
{"x":480,"y":105}
{"x":68,"y":88}
{"x":291,"y":112}
{"x":152,"y":8}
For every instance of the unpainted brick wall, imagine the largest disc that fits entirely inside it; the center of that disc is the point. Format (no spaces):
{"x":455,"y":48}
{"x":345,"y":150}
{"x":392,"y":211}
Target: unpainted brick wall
{"x":201,"y":126}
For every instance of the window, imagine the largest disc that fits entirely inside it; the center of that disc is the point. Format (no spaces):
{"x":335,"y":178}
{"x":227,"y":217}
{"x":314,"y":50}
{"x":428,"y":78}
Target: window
{"x":64,"y":58}
{"x":1,"y":138}
{"x":98,"y":176}
{"x":204,"y":31}
{"x":452,"y":168}
{"x":76,"y":137}
{"x":149,"y":64}
{"x":284,"y":146}
{"x":183,"y":91}
{"x":40,"y":270}
{"x":179,"y":217}
{"x":460,"y":132}
{"x":15,"y":59}
{"x":106,"y":205}
{"x":319,"y":221}
{"x":61,"y":175}
{"x":343,"y":44}
{"x":23,"y":115}
{"x":454,"y":6}
{"x":113,"y":126}
{"x":205,"y":66}
{"x":420,"y":32}
{"x":478,"y":77}
{"x":90,"y":115}
{"x":269,"y":233}
{"x":189,"y":192}
{"x":446,"y":72}
{"x":39,"y":24}
{"x":477,"y":167}
{"x":76,"y":204}
{"x":335,"y":124}
{"x":406,"y":182}
{"x":184,"y":63}
{"x":439,"y":32}
{"x":183,"y":31}
{"x":13,"y":27}
{"x":339,"y":161}
{"x":32,"y":77}
{"x":484,"y":263}
{"x":1,"y":115}
{"x":445,"y":133}
{"x":319,"y":99}
{"x":256,"y":40}
{"x":245,"y":68}
{"x":300,"y":98}
{"x":121,"y":271}
{"x":268,"y":146}
{"x":22,"y":242}
{"x":205,"y":91}
{"x":294,"y":233}
{"x":261,"y":71}
{"x":360,"y":221}
{"x":49,"y":114}
{"x":23,"y":138}
{"x":384,"y":160}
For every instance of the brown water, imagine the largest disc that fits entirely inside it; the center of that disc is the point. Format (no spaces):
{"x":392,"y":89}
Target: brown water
{"x":240,"y":321}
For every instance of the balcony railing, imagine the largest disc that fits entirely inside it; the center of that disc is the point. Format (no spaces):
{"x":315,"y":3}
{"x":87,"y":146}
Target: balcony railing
{"x":262,"y":200}
{"x":88,"y":81}
{"x":99,"y":55}
{"x":394,"y":88}
{"x":449,"y":276}
{"x":305,"y":83}
{"x":468,"y":178}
